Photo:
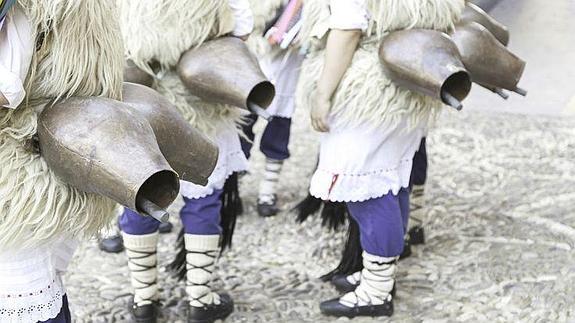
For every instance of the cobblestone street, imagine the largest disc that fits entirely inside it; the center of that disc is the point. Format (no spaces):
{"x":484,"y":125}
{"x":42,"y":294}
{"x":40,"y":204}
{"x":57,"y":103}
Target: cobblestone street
{"x":501,"y":234}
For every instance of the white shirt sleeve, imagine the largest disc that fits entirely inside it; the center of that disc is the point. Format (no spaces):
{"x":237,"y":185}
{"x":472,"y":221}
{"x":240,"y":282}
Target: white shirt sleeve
{"x":348,"y":14}
{"x":243,"y":17}
{"x":16,"y":49}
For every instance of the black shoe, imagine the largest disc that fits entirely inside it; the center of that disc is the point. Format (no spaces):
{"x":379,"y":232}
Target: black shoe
{"x":166,"y":227}
{"x":335,"y":308}
{"x":268,"y":209}
{"x":406,"y":250}
{"x":343,"y":285}
{"x":114,"y":244}
{"x":212,"y":312}
{"x":416,"y":235}
{"x":146,"y":313}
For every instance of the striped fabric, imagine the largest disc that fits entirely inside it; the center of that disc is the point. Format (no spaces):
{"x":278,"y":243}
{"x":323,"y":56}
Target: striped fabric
{"x":270,"y":180}
{"x":5,"y":5}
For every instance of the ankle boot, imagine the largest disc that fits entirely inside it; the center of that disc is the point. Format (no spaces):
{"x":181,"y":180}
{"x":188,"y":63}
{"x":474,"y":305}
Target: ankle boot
{"x":142,"y":262}
{"x":373,"y":297}
{"x":205,"y":305}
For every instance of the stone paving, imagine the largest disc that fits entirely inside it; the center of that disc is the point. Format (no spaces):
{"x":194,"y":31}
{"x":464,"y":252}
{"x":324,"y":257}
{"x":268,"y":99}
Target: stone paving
{"x":501,"y":233}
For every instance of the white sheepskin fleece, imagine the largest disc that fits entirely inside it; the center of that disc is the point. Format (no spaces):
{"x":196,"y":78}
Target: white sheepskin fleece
{"x":162,"y":30}
{"x":365,"y":94}
{"x":73,"y":58}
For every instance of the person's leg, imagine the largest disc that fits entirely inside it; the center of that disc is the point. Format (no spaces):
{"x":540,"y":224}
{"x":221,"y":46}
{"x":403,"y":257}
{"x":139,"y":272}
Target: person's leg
{"x":140,"y":235}
{"x":274,"y":145}
{"x":381,"y":228}
{"x":275,"y":139}
{"x":418,"y":180}
{"x":404,"y":205}
{"x":201,"y":221}
{"x":110,"y":239}
{"x":248,"y":131}
{"x":381,"y":225}
{"x":403,"y":198}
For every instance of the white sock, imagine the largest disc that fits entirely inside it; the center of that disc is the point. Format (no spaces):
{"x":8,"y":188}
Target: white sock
{"x":143,"y":265}
{"x":200,"y":263}
{"x":377,"y":280}
{"x":269,"y":182}
{"x":417,"y":206}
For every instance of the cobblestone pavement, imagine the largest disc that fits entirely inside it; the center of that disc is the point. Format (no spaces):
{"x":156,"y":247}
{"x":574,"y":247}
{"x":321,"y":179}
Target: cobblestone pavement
{"x":501,"y":234}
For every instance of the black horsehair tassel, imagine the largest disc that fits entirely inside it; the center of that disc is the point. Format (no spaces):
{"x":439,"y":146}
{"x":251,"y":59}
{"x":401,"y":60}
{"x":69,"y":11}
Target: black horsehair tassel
{"x":333,"y":216}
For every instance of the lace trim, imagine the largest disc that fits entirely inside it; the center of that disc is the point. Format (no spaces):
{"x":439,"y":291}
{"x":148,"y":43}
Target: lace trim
{"x":37,"y":306}
{"x":35,"y":293}
{"x":358,"y":187}
{"x":234,"y":162}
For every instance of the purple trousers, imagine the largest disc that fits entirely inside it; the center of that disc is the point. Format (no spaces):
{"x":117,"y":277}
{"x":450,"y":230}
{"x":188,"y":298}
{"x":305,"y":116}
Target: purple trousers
{"x":275,"y":139}
{"x":199,"y":216}
{"x":64,"y":315}
{"x":382,"y":223}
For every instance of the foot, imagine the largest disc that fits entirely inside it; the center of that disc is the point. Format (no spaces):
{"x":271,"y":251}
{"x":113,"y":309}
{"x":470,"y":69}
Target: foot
{"x":345,"y":285}
{"x":335,"y":308}
{"x":267,"y":206}
{"x":212,"y":312}
{"x":416,"y":235}
{"x":406,"y":250}
{"x":146,"y":313}
{"x":113,"y":244}
{"x":166,"y":227}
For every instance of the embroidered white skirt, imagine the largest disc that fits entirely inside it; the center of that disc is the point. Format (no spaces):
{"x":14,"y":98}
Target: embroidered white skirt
{"x":31,"y":288}
{"x":361,"y":163}
{"x":231,"y":159}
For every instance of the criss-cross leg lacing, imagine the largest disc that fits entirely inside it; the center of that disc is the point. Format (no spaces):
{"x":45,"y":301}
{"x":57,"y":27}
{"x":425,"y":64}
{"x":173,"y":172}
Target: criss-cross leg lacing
{"x":143,"y":262}
{"x":202,"y":251}
{"x":377,"y":280}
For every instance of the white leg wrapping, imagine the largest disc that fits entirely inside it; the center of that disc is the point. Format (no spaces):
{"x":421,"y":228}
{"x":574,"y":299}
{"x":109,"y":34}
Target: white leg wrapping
{"x":270,"y":179}
{"x":377,"y":280}
{"x":354,"y":278}
{"x":143,"y":264}
{"x":200,"y":263}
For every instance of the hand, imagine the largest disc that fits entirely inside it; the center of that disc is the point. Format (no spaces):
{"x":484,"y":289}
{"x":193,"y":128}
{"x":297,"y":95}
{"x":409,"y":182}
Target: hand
{"x":319,"y":113}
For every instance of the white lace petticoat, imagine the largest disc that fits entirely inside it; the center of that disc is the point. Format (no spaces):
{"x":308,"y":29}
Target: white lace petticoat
{"x":230,"y":159}
{"x":31,"y":288}
{"x":362,"y":163}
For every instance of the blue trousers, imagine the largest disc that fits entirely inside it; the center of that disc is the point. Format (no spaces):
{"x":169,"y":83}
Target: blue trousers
{"x":275,"y":139}
{"x":382,"y":223}
{"x":199,"y":216}
{"x":64,"y":315}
